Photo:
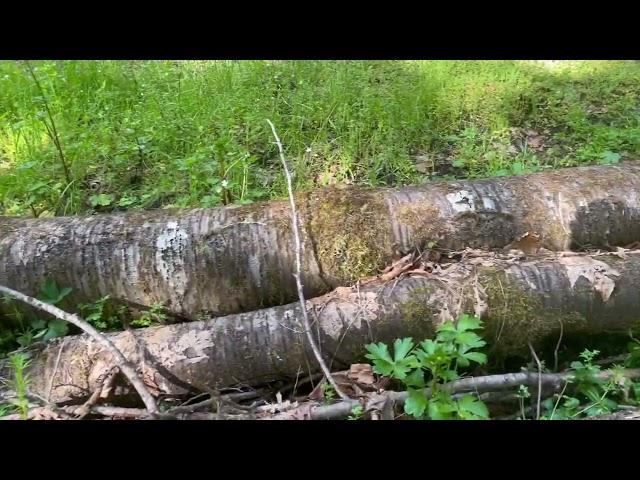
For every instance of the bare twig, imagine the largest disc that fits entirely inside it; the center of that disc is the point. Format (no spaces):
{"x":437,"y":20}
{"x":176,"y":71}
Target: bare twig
{"x":555,"y":407}
{"x":233,"y":397}
{"x":489,"y":383}
{"x":303,"y":305}
{"x":108,"y":411}
{"x":55,"y":369}
{"x":105,"y":384}
{"x":126,"y":368}
{"x":533,"y":352}
{"x":555,"y":352}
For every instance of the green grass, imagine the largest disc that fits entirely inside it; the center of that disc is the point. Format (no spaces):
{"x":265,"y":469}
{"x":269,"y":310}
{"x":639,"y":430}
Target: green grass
{"x":193,"y":133}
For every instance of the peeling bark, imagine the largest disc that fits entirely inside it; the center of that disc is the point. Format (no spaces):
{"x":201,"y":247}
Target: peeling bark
{"x":237,"y":259}
{"x":520,"y":301}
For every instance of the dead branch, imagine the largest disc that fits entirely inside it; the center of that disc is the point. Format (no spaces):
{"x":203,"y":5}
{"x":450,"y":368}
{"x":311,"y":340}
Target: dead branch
{"x":119,"y":358}
{"x":298,"y":272}
{"x":479,"y":385}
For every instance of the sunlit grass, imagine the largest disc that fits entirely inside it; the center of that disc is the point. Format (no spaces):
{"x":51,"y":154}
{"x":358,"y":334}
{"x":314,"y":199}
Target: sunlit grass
{"x":192,"y":133}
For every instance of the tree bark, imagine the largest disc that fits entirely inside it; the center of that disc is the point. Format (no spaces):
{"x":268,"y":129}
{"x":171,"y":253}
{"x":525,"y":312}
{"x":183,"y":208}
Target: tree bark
{"x":237,"y":259}
{"x":521,"y":301}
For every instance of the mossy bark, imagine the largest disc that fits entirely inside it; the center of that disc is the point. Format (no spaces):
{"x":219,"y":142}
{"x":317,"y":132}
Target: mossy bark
{"x":237,"y":259}
{"x":521,"y":302}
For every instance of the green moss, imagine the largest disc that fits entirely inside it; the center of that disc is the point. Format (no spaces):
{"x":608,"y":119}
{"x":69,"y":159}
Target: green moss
{"x":517,"y":317}
{"x":419,"y":217}
{"x":417,"y":312}
{"x":349,"y":233}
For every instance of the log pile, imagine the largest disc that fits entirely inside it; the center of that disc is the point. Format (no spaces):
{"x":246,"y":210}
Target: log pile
{"x":496,"y":248}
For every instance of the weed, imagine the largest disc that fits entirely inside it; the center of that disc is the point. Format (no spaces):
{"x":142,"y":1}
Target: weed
{"x":452,"y":349}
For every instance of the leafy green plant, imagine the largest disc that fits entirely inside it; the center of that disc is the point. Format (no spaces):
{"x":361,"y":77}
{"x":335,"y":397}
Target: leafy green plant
{"x":523,"y":394}
{"x":593,"y":395}
{"x":51,"y":293}
{"x":433,"y":363}
{"x":328,"y":392}
{"x":609,"y":158}
{"x":154,"y":315}
{"x":357,"y":413}
{"x":38,"y":329}
{"x":19,"y":363}
{"x":102,"y":314}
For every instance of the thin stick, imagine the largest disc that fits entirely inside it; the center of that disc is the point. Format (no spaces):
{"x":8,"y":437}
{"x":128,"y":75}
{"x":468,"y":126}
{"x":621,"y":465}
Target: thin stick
{"x":119,"y":358}
{"x":55,"y":369}
{"x":539,"y":381}
{"x":555,"y":352}
{"x":296,"y":232}
{"x":555,"y":407}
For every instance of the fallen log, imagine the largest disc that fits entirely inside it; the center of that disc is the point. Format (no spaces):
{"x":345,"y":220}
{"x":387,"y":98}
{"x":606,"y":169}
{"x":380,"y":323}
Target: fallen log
{"x":521,"y":301}
{"x":240,"y":258}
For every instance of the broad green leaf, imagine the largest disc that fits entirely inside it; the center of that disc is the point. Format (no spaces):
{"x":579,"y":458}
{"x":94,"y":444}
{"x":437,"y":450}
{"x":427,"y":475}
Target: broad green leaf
{"x":462,"y":361}
{"x":635,"y":386}
{"x":472,"y":405}
{"x":38,"y":324}
{"x":49,"y":290}
{"x":415,"y":379}
{"x":63,"y":293}
{"x":449,"y":375}
{"x":416,"y":403}
{"x":447,"y":327}
{"x":609,"y":158}
{"x":428,"y":346}
{"x":468,"y":322}
{"x":477,"y":357}
{"x":548,"y":404}
{"x":609,"y":404}
{"x":25,"y":339}
{"x":470,"y":339}
{"x":57,"y":328}
{"x":101,"y":200}
{"x":441,"y":409}
{"x":382,"y":362}
{"x":400,"y":370}
{"x":379,"y":351}
{"x":446,"y":336}
{"x":401,"y":348}
{"x":571,"y":403}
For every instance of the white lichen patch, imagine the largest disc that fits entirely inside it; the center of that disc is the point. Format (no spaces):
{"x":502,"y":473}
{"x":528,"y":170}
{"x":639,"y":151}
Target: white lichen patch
{"x":597,"y":273}
{"x":171,"y":246}
{"x":462,"y":201}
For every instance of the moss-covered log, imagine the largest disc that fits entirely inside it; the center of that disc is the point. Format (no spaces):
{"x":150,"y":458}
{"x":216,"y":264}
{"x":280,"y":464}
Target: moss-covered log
{"x":238,"y":259}
{"x":521,"y":301}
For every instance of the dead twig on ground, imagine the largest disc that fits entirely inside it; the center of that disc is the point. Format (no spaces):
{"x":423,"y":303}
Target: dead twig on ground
{"x":124,"y":365}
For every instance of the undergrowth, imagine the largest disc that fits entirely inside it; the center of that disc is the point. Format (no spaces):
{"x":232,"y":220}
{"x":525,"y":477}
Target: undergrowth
{"x":97,"y":136}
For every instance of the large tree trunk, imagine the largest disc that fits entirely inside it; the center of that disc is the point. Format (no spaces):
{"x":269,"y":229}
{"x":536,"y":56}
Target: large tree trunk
{"x":237,"y":259}
{"x":521,"y":301}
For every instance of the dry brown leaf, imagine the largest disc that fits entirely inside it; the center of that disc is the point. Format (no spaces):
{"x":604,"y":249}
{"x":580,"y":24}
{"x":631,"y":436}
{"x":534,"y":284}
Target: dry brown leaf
{"x":361,"y":373}
{"x":528,"y":243}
